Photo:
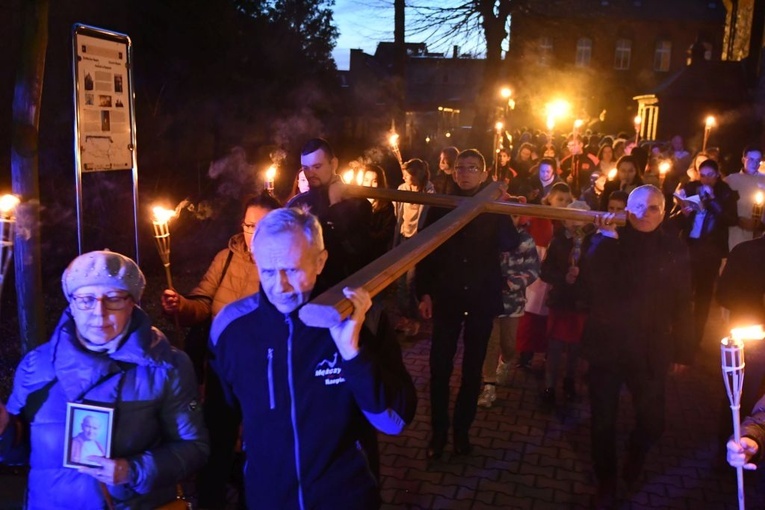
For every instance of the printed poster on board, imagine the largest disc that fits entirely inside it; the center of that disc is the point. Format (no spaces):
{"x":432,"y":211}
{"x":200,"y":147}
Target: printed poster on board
{"x":103,"y":104}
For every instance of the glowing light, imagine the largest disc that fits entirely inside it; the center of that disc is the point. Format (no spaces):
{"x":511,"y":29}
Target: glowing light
{"x":710,"y":122}
{"x":348,"y":176}
{"x":448,"y":134}
{"x":162,"y":215}
{"x":506,"y":92}
{"x":360,"y":177}
{"x":759,"y":198}
{"x":612,"y":174}
{"x":558,"y":108}
{"x":393,"y":139}
{"x":499,"y":126}
{"x":550,"y":122}
{"x":427,"y":139}
{"x":578,"y":123}
{"x":638,"y":120}
{"x":271,"y":173}
{"x":8,"y":204}
{"x":747,"y":333}
{"x":664,"y":167}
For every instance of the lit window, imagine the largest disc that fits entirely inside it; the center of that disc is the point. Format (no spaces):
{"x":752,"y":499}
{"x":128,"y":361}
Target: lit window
{"x":545,"y":50}
{"x":623,"y":54}
{"x":583,"y":52}
{"x":661,"y":58}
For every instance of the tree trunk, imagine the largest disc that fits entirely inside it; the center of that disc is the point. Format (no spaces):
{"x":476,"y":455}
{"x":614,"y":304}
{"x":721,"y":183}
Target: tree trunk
{"x":494,"y":32}
{"x":27,"y":100}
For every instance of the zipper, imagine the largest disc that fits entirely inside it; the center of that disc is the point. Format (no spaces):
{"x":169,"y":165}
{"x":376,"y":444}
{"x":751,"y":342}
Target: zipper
{"x":271,"y":398}
{"x":293,"y":410}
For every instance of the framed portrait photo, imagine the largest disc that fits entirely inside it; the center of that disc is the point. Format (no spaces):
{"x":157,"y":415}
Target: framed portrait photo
{"x":88,"y":433}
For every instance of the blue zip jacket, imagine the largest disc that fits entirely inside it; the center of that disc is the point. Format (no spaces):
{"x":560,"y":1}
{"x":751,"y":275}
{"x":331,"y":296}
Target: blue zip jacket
{"x":308,"y":414}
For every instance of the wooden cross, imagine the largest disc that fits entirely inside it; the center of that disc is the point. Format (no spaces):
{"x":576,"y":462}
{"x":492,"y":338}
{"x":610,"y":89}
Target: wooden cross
{"x":331,"y":307}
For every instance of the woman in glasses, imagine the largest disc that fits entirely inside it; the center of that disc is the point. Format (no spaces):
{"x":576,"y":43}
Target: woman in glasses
{"x":231,"y":276}
{"x":106,"y":354}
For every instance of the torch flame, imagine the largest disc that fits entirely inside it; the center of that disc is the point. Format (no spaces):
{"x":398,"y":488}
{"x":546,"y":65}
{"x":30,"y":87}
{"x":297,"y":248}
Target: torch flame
{"x":271,"y":173}
{"x":8,"y":204}
{"x":612,"y":174}
{"x":638,"y":120}
{"x":550,"y":122}
{"x":664,"y":167}
{"x":578,"y":123}
{"x":162,"y":215}
{"x":393,"y":139}
{"x":759,"y":198}
{"x":748,"y":333}
{"x":498,"y":126}
{"x":348,"y":176}
{"x":710,"y":121}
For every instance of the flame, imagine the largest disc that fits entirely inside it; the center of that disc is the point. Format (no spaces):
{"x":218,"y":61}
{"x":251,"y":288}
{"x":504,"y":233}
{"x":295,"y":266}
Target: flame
{"x":506,"y":92}
{"x":360,"y":177}
{"x":271,"y":173}
{"x":498,"y":126}
{"x":558,"y":108}
{"x":748,"y":333}
{"x":638,"y":120}
{"x":612,"y":174}
{"x":393,"y":139}
{"x":550,"y":122}
{"x":709,"y":122}
{"x":348,"y":176}
{"x":578,"y":123}
{"x":759,"y":198}
{"x":8,"y":204}
{"x":162,"y":215}
{"x":664,"y":167}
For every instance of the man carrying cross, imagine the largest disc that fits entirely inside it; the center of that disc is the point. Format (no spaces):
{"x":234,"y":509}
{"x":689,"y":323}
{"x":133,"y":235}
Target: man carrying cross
{"x":460,"y":285}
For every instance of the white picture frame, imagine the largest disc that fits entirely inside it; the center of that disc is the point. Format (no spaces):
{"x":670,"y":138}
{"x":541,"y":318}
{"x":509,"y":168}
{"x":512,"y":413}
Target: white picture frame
{"x":89,"y":430}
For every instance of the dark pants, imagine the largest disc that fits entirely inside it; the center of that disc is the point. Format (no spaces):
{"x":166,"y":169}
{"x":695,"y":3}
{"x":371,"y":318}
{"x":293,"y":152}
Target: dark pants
{"x":705,"y":268}
{"x":223,"y":424}
{"x":647,"y":389}
{"x":446,"y":331}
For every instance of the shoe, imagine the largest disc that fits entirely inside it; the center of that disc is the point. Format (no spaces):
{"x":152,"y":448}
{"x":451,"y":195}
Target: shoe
{"x":569,"y":388}
{"x":436,"y":446}
{"x":462,"y":444}
{"x":524,"y":360}
{"x":488,"y":395}
{"x":548,"y":396}
{"x":503,"y":374}
{"x":633,"y":468}
{"x":605,"y":496}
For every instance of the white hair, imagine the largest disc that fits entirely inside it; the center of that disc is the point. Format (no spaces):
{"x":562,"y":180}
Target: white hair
{"x":293,"y":219}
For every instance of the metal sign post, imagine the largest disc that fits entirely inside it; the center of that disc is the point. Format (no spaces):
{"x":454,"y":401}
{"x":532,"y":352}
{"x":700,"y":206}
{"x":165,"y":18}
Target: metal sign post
{"x":104,"y":111}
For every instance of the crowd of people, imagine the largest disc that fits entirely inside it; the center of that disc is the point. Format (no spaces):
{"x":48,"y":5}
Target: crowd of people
{"x":303,"y":405}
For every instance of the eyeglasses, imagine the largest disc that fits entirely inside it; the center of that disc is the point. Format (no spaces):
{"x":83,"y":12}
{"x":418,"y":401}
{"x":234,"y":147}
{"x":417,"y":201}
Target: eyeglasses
{"x":249,"y":228}
{"x":708,"y":175}
{"x":467,"y":169}
{"x":88,"y":302}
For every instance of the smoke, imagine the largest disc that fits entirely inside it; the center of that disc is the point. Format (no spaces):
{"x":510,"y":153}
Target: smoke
{"x":234,"y":173}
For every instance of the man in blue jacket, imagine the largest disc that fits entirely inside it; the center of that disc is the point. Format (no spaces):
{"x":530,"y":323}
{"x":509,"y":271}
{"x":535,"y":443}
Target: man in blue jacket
{"x":309,"y":397}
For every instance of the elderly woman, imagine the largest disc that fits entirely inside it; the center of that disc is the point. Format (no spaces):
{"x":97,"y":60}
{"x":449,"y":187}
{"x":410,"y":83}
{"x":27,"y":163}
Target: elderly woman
{"x":105,"y":353}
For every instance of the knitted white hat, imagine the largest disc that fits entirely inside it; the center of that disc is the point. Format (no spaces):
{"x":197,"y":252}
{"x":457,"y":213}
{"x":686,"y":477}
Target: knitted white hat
{"x":104,"y":268}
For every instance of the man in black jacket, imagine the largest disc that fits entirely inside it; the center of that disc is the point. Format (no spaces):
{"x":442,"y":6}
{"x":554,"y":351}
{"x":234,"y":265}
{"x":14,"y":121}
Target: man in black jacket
{"x":346,"y":223}
{"x":460,"y":284}
{"x":704,"y":220}
{"x":637,"y":280}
